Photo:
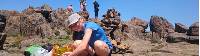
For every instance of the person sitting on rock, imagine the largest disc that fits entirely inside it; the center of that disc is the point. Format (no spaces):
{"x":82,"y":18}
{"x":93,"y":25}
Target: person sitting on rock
{"x":90,"y":38}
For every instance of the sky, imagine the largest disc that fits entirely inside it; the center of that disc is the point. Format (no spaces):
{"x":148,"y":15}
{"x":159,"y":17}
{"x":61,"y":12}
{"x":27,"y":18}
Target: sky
{"x":175,"y":11}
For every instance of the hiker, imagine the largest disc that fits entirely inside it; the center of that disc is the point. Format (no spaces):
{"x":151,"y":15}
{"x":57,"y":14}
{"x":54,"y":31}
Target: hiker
{"x":96,"y":8}
{"x":70,"y":8}
{"x":89,"y":37}
{"x":83,"y":5}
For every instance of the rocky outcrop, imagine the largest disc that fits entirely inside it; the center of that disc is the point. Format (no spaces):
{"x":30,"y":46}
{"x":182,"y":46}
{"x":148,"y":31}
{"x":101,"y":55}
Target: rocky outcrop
{"x":35,"y":24}
{"x":2,"y":27}
{"x":181,"y":37}
{"x":135,"y":31}
{"x":160,"y":28}
{"x":176,"y":37}
{"x":45,"y":10}
{"x":32,"y":21}
{"x":13,"y":25}
{"x":180,"y":28}
{"x":158,"y":24}
{"x":8,"y":13}
{"x":192,"y":35}
{"x":2,"y":23}
{"x":58,"y":18}
{"x":194,"y":29}
{"x":140,"y":23}
{"x":29,"y":10}
{"x":2,"y":40}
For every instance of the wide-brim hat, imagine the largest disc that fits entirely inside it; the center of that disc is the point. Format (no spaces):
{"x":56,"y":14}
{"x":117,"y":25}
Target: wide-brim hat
{"x":73,"y":19}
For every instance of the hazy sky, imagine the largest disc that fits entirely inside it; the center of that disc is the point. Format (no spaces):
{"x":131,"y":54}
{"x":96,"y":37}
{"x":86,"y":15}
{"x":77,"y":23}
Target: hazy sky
{"x":182,"y":11}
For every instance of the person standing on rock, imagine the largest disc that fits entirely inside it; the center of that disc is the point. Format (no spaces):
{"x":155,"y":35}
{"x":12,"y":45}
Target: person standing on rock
{"x":90,"y":38}
{"x":96,"y":8}
{"x":70,"y":8}
{"x":83,"y":5}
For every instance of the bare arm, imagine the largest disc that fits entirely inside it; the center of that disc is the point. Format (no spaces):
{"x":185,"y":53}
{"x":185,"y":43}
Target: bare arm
{"x":84,"y":44}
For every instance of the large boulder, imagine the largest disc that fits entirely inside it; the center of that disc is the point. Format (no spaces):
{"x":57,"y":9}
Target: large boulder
{"x":180,"y":28}
{"x":139,"y":22}
{"x":58,"y":18}
{"x":159,"y":24}
{"x":13,"y":25}
{"x":29,"y":10}
{"x":2,"y":27}
{"x":134,"y":31}
{"x":181,"y":37}
{"x":2,"y":22}
{"x":2,"y":40}
{"x":176,"y":37}
{"x":194,"y":29}
{"x":45,"y":10}
{"x":160,"y":28}
{"x":35,"y":24}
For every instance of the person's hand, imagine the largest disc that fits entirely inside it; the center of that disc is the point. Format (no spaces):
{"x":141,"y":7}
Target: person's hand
{"x":66,"y":54}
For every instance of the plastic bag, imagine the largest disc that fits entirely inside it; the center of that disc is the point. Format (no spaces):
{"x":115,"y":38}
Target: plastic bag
{"x":36,"y":50}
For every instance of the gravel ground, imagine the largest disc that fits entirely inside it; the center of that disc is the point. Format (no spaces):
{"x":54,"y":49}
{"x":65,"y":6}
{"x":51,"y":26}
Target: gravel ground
{"x":139,"y":47}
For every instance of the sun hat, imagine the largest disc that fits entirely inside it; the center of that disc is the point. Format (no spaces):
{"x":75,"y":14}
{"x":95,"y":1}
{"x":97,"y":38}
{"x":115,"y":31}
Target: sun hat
{"x":73,"y":19}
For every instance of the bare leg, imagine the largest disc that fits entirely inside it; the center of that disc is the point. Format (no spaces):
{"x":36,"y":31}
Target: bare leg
{"x":101,"y":48}
{"x":87,"y":52}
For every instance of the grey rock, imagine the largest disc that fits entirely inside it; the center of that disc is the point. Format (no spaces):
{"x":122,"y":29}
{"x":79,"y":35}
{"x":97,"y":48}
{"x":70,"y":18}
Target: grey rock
{"x":194,"y":29}
{"x":180,"y":28}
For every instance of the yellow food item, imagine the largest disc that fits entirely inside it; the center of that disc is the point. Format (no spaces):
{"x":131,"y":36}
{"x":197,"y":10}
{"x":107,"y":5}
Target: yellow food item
{"x":58,"y":51}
